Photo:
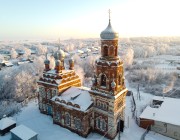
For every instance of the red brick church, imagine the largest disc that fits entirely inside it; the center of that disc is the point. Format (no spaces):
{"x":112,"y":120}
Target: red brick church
{"x":80,"y":109}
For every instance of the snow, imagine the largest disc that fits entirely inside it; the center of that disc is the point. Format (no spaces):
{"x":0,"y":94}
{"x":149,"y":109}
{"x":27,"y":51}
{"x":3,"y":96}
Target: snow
{"x":54,"y":71}
{"x":58,"y":81}
{"x":43,"y":125}
{"x":149,"y":113}
{"x":8,"y":64}
{"x":27,"y":133}
{"x":31,"y":117}
{"x":76,"y":95}
{"x":6,"y":122}
{"x":168,"y":112}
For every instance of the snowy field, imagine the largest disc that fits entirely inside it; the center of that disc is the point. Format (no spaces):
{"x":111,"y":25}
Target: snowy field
{"x":43,"y":124}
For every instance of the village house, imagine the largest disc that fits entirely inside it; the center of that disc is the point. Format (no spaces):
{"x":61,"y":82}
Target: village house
{"x":162,"y":117}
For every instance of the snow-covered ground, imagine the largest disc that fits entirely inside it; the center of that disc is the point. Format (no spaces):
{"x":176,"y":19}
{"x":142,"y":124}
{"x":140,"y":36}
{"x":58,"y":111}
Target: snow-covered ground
{"x":43,"y":124}
{"x":166,"y":63}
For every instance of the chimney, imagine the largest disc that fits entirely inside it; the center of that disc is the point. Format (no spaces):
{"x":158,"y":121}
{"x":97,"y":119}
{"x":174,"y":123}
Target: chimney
{"x":71,"y":64}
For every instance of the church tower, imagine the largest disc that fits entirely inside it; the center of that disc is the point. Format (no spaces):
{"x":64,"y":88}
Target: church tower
{"x":108,"y":90}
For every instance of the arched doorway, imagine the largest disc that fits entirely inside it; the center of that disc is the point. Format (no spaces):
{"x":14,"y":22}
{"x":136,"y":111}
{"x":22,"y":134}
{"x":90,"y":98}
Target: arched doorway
{"x":120,"y":125}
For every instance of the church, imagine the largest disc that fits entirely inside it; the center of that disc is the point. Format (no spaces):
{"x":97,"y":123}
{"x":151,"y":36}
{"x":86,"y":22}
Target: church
{"x":80,"y":109}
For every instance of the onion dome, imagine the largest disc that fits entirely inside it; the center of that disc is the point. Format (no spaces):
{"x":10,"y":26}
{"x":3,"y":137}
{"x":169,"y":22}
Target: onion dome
{"x":46,"y":61}
{"x":59,"y":55}
{"x":113,"y":84}
{"x":58,"y":62}
{"x":109,"y":33}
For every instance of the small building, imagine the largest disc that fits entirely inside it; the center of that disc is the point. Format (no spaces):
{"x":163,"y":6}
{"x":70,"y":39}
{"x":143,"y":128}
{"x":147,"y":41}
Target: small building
{"x":22,"y":132}
{"x":6,"y":124}
{"x":163,"y":116}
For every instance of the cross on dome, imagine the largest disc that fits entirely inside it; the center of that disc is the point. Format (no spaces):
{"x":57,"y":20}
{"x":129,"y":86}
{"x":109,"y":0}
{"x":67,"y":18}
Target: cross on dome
{"x":59,"y":47}
{"x":109,"y":11}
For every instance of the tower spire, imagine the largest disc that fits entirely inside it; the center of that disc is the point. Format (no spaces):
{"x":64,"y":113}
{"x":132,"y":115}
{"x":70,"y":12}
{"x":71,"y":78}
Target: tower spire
{"x":46,"y":56}
{"x":59,"y":47}
{"x":109,"y":11}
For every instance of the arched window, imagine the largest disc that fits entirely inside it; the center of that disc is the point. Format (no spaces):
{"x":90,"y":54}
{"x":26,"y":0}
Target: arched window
{"x":119,"y":80}
{"x":57,"y":116}
{"x":77,"y":123}
{"x":111,"y":51}
{"x":98,"y":121}
{"x":53,"y":93}
{"x":103,"y":128}
{"x":103,"y":80}
{"x":102,"y":105}
{"x":105,"y":106}
{"x":48,"y":94}
{"x":67,"y":119}
{"x":105,"y":50}
{"x":101,"y":124}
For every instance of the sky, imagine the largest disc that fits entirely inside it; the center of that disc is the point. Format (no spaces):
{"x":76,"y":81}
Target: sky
{"x":53,"y":19}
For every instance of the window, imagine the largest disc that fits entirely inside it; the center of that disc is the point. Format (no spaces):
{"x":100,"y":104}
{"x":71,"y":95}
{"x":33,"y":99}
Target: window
{"x":77,"y":123}
{"x":119,"y":80}
{"x":98,"y":122}
{"x":176,"y":134}
{"x":57,"y":116}
{"x":105,"y":106}
{"x":48,"y":94}
{"x":41,"y":91}
{"x":44,"y":107}
{"x":120,"y":104}
{"x":67,"y":119}
{"x":103,"y":80}
{"x":111,"y":50}
{"x":53,"y":93}
{"x":101,"y":124}
{"x":101,"y":105}
{"x":105,"y":50}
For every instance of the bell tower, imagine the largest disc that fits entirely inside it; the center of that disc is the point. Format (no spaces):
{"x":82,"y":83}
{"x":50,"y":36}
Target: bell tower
{"x":108,"y":89}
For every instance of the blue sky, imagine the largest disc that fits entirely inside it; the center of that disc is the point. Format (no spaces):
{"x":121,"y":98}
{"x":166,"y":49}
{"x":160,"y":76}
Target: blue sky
{"x":51,"y":19}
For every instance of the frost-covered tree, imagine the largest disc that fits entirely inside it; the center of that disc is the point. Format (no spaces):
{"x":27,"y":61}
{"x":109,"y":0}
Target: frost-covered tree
{"x":13,"y":53}
{"x":128,"y":57}
{"x":1,"y":57}
{"x":27,"y":52}
{"x":52,"y":62}
{"x":41,"y":50}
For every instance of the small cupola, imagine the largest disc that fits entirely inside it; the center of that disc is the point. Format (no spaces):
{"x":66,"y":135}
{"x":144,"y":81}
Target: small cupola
{"x":58,"y":66}
{"x":71,"y":63}
{"x":46,"y":63}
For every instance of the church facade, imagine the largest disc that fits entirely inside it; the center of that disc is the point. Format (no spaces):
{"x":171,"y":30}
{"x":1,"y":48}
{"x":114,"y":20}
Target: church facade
{"x":80,"y":109}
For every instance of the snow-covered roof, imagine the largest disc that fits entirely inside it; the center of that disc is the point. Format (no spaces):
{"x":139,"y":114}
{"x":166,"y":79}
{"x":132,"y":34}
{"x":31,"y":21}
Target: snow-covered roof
{"x":168,"y":112}
{"x":76,"y":95}
{"x":23,"y":132}
{"x":8,"y":64}
{"x":149,"y":113}
{"x":6,"y":122}
{"x":54,"y":71}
